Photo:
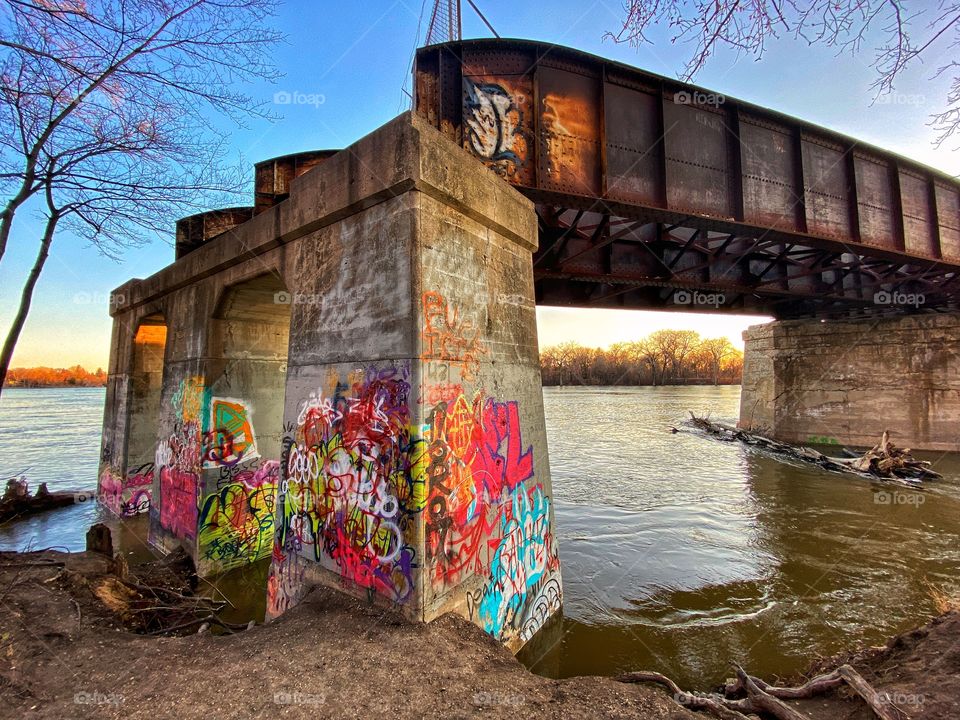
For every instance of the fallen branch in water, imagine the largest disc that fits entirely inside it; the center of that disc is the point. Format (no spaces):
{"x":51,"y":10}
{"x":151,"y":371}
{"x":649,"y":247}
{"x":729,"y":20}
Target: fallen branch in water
{"x":884,"y":461}
{"x":764,"y":698}
{"x":17,"y":500}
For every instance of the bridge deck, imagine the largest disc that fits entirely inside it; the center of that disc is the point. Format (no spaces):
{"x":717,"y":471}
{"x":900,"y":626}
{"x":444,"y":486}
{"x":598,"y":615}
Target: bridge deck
{"x":649,"y":189}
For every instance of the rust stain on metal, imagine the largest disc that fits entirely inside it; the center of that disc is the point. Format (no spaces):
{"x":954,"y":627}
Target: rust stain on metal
{"x":645,"y":185}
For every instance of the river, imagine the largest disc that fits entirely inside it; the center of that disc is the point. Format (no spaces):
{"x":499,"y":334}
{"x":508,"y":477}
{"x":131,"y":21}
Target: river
{"x":679,"y":553}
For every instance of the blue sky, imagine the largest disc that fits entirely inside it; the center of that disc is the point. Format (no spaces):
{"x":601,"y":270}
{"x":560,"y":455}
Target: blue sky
{"x":356,"y":57}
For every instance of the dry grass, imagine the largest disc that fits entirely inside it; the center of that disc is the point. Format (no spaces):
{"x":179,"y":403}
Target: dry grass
{"x":943,"y":601}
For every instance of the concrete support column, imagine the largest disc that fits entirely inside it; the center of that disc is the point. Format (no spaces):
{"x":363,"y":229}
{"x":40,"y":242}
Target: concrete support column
{"x":415,"y":468}
{"x":132,"y":409}
{"x":352,"y":386}
{"x":845,"y":382}
{"x":217,"y":455}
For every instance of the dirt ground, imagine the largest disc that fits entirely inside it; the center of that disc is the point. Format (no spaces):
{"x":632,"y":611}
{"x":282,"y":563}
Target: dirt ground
{"x":919,"y":670}
{"x":66,"y":655}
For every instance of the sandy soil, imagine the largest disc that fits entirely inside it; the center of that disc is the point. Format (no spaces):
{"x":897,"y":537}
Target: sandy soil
{"x":65,"y":655}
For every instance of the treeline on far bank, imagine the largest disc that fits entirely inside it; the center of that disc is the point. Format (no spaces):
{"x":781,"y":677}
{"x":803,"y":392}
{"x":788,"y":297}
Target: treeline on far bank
{"x":665,"y":357}
{"x":40,"y":377}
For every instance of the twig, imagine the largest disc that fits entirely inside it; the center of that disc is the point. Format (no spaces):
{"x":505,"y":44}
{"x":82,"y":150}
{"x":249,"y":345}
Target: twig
{"x":198,"y":621}
{"x":225,"y":598}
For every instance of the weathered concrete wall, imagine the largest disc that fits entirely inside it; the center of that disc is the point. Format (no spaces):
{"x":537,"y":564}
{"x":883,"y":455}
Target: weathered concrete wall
{"x":402,"y":454}
{"x":131,"y":415}
{"x":846,"y":382}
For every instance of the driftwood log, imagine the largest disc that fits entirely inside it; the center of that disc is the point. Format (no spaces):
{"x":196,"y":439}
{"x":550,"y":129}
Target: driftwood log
{"x":769,"y":699}
{"x":884,"y":461}
{"x":17,"y":500}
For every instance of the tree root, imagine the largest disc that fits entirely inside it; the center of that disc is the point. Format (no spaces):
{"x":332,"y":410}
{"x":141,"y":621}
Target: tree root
{"x":816,"y":686}
{"x":714,"y":704}
{"x":768,"y":699}
{"x":880,"y":704}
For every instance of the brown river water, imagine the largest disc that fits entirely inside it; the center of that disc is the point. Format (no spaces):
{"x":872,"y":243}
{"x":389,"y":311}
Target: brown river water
{"x":679,"y":553}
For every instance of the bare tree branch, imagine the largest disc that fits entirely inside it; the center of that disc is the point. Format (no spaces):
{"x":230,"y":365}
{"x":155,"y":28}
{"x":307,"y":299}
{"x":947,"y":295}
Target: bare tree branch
{"x":109,"y":109}
{"x":746,"y":26}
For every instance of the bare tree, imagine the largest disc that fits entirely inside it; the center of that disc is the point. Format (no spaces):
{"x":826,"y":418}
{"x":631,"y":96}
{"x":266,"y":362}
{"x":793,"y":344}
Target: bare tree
{"x":747,"y":26}
{"x":662,"y":358}
{"x":717,"y":350}
{"x":112,"y":116}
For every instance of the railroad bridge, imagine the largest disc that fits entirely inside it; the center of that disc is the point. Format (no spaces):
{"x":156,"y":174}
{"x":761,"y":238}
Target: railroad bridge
{"x":343,"y":377}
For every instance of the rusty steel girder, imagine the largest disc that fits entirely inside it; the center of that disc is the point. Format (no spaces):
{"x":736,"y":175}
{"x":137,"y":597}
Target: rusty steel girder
{"x":649,"y":189}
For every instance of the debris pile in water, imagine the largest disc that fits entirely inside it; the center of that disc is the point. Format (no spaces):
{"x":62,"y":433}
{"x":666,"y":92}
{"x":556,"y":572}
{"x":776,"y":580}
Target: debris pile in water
{"x":884,"y":460}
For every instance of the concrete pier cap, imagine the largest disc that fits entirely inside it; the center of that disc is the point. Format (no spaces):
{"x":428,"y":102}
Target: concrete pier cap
{"x":843,"y":382}
{"x":349,"y":384}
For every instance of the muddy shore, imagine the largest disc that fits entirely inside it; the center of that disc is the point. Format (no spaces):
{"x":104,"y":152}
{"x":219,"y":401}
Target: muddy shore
{"x":65,"y":654}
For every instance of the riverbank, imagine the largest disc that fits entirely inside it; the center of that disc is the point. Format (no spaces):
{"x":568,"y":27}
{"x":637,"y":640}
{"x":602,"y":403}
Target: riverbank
{"x":65,"y":654}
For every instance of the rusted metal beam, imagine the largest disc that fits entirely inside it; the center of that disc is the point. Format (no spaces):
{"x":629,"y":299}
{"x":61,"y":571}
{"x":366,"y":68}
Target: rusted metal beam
{"x":587,"y":136}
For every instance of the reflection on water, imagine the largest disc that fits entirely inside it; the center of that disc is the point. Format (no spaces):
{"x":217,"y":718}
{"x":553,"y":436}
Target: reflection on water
{"x":681,"y":553}
{"x":678,"y":553}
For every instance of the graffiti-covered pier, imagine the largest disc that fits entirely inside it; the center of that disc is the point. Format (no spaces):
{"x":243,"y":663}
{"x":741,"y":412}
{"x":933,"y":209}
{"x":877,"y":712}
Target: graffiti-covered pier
{"x":347,"y":381}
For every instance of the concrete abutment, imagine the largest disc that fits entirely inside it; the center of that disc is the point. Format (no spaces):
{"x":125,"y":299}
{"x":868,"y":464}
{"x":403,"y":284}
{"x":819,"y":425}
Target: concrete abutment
{"x":351,"y":386}
{"x":846,"y":381}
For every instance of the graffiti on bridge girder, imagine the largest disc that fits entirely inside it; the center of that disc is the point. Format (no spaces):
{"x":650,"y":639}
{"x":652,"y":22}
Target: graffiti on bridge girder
{"x":493,"y":126}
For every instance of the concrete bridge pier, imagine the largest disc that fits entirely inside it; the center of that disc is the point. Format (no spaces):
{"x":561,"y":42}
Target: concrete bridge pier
{"x":345,"y":378}
{"x":846,"y":381}
{"x":415,"y":458}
